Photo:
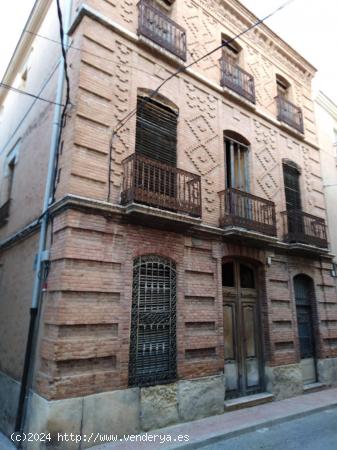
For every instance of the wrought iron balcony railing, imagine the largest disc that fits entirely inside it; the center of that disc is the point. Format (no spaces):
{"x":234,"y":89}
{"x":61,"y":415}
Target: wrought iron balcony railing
{"x":4,"y":213}
{"x":244,"y":210}
{"x":159,"y":28}
{"x":300,"y":227}
{"x":236,"y":79}
{"x":159,"y":185}
{"x":289,"y":113}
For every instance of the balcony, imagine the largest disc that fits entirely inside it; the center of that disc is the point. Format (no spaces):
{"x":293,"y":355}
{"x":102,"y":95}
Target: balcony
{"x":300,"y":227}
{"x":289,"y":113}
{"x":236,"y":79}
{"x":156,"y":26}
{"x":149,"y":182}
{"x":244,"y":210}
{"x":4,"y":213}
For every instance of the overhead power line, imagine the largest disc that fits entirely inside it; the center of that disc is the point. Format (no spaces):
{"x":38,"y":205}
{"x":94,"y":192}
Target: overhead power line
{"x":128,"y":116}
{"x":67,"y":102}
{"x":82,"y":50}
{"x":20,"y":91}
{"x":64,"y":53}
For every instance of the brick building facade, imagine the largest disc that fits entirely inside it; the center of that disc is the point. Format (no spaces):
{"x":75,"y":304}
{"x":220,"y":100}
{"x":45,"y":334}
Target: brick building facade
{"x":186,"y":275}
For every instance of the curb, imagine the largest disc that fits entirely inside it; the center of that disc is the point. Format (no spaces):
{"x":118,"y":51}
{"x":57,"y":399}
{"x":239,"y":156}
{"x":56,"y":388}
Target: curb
{"x":245,"y":430}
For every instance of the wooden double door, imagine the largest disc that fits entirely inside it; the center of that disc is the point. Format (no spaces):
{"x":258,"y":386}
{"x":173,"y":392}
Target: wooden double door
{"x":242,"y":330}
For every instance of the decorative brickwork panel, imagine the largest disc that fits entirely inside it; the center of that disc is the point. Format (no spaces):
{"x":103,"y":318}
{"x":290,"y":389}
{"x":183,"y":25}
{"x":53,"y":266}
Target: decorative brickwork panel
{"x":267,"y":161}
{"x":202,"y":142}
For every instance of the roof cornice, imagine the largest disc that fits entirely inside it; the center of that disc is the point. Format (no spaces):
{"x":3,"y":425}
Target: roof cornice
{"x":24,"y":44}
{"x":283,"y":47}
{"x":327,"y":104}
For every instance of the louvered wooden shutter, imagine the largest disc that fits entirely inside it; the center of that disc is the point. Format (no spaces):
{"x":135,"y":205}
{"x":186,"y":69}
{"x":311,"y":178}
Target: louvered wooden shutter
{"x":156,"y":131}
{"x":153,"y":322}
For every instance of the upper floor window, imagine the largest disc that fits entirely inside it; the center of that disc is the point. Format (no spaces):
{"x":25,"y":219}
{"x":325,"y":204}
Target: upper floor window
{"x":9,"y":170}
{"x":7,"y":183}
{"x":26,"y":68}
{"x":283,"y":87}
{"x":150,"y":175}
{"x":335,"y":140}
{"x":156,"y":25}
{"x":233,"y":77}
{"x":165,"y":3}
{"x":236,"y":161}
{"x":230,"y":51}
{"x":287,"y":112}
{"x":156,"y":130}
{"x":291,"y":175}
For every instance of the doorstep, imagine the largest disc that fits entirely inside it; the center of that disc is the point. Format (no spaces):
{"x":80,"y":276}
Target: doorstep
{"x":248,"y":401}
{"x":313,"y":387}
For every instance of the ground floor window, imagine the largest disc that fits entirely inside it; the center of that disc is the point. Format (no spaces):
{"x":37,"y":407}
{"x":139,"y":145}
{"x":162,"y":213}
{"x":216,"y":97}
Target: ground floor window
{"x":153,"y":321}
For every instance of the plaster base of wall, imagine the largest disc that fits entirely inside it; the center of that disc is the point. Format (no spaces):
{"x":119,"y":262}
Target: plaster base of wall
{"x":9,"y":397}
{"x":327,"y":371}
{"x":123,"y":412}
{"x":284,"y":381}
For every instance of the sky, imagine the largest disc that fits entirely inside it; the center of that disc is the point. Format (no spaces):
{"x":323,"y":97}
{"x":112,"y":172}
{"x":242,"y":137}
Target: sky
{"x":309,"y":26}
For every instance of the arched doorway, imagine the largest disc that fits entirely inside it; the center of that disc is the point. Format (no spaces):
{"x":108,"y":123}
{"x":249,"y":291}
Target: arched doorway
{"x":242,"y":333}
{"x":304,"y":296}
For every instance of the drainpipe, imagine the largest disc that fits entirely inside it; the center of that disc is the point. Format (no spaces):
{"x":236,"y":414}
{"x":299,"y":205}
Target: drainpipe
{"x":42,"y":255}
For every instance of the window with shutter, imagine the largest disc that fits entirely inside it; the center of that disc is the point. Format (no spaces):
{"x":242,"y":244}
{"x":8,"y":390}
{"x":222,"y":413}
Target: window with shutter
{"x":283,"y":87}
{"x":156,"y":131}
{"x":153,"y":322}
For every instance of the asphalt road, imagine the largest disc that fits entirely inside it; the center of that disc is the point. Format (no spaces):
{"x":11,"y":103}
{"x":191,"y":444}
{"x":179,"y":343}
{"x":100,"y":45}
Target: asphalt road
{"x":314,"y":432}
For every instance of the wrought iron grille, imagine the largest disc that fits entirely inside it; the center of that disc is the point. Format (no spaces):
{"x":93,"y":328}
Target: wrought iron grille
{"x":149,"y":182}
{"x":153,"y":322}
{"x":159,"y":28}
{"x":237,"y":79}
{"x":289,"y":113}
{"x":241,"y":209}
{"x":304,"y":228}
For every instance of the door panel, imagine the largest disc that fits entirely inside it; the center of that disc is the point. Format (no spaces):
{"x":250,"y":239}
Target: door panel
{"x":241,"y":334}
{"x":304,"y":295}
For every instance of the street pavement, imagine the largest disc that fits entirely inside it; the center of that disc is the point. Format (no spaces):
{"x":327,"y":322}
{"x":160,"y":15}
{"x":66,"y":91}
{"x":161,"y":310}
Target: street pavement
{"x":218,"y":431}
{"x":5,"y":443}
{"x":306,"y":422}
{"x":314,"y":432}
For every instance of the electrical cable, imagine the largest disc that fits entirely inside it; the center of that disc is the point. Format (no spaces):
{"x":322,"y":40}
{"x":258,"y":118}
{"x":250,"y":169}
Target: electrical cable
{"x":88,"y":52}
{"x":67,"y":101}
{"x":30,"y":107}
{"x":37,"y":97}
{"x":123,"y":121}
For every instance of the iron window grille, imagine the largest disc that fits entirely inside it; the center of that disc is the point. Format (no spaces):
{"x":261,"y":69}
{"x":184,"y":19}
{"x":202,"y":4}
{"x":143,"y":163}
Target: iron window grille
{"x":153,"y":322}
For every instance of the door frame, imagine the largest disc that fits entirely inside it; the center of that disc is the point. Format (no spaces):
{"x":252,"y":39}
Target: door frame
{"x":313,"y":317}
{"x":259,"y":276}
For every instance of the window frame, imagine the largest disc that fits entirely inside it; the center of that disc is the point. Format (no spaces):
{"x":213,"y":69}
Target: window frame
{"x":232,"y":148}
{"x":142,"y":367}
